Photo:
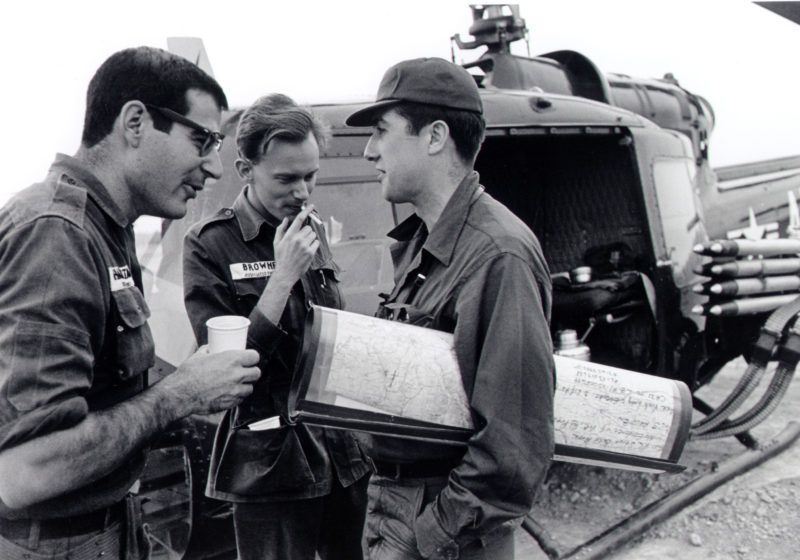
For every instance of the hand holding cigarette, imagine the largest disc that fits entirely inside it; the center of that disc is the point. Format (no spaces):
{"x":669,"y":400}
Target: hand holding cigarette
{"x":295,"y":245}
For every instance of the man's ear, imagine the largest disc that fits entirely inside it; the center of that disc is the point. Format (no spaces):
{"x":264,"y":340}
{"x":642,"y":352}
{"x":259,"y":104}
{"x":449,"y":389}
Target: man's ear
{"x":439,"y":133}
{"x":244,"y":169}
{"x":132,"y":118}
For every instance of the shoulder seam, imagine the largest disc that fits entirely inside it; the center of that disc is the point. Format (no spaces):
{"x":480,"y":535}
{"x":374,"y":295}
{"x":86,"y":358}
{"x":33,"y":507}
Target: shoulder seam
{"x":223,"y":214}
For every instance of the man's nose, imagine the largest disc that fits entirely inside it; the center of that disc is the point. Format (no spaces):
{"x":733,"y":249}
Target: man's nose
{"x":370,"y":153}
{"x":301,"y":190}
{"x":212,"y":164}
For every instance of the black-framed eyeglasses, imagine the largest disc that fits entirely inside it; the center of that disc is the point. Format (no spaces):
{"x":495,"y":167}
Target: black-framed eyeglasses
{"x":211,"y":139}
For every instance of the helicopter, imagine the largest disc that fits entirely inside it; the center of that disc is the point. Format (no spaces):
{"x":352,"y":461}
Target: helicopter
{"x":610,"y":172}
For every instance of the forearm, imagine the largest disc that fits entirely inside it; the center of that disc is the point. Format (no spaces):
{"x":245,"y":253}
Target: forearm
{"x":208,"y":294}
{"x":274,"y":297}
{"x":56,"y":463}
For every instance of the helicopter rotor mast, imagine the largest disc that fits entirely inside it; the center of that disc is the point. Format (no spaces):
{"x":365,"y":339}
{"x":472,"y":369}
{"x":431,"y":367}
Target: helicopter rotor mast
{"x":494,"y":26}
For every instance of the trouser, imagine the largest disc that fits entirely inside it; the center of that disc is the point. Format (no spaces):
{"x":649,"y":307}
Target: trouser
{"x":395,"y":503}
{"x":330,"y":526}
{"x":118,"y":537}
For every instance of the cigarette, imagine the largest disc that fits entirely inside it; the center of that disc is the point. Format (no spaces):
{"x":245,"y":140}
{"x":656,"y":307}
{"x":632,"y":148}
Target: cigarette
{"x":316,"y":220}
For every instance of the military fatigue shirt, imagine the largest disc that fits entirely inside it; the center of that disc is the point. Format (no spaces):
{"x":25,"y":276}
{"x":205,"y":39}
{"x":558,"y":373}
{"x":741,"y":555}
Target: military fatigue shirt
{"x":73,"y":322}
{"x":486,"y":281}
{"x":228,"y":260}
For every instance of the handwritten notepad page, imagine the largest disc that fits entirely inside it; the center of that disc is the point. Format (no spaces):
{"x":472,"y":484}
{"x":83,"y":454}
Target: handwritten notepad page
{"x":611,"y":409}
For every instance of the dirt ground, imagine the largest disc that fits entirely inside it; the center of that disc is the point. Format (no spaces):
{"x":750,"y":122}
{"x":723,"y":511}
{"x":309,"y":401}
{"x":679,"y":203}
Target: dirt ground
{"x":754,"y":515}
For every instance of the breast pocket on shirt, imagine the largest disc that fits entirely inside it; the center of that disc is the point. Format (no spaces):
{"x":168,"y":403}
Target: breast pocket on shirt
{"x":134,"y":341}
{"x":323,"y":284}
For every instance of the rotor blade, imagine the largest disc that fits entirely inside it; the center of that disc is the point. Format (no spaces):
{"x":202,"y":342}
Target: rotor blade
{"x":789,"y":10}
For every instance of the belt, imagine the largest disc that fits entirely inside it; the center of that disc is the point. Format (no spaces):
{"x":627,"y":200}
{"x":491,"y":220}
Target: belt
{"x":418,"y":469}
{"x":62,"y":527}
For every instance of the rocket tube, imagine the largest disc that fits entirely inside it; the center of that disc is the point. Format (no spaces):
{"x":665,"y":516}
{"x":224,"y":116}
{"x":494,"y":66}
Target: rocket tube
{"x":752,"y":286}
{"x":748,"y":306}
{"x":744,"y":247}
{"x":754,"y":267}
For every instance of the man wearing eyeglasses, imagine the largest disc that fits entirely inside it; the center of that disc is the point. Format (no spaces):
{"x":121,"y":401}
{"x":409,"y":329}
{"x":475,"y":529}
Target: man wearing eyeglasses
{"x":76,"y":409}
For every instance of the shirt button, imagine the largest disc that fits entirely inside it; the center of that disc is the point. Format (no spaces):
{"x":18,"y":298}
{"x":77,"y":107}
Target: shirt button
{"x":449,"y":551}
{"x":120,"y":328}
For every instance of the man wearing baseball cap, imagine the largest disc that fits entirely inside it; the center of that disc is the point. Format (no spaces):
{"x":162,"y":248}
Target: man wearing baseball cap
{"x":464,"y":264}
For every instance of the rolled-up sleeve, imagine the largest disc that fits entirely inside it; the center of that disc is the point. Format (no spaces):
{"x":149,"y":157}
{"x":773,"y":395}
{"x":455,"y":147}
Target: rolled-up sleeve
{"x":504,"y":350}
{"x":52,"y":314}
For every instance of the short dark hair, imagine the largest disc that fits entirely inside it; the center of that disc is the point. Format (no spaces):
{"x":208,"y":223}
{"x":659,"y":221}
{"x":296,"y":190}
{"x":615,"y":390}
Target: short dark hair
{"x":148,"y":74}
{"x":466,"y":127}
{"x":276,"y":116}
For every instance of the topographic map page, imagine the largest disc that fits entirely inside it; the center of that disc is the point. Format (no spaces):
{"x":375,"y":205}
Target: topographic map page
{"x":374,"y":375}
{"x":385,"y":369}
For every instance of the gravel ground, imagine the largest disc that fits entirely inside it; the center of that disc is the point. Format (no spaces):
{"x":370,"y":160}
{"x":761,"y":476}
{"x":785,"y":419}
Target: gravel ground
{"x":754,"y":516}
{"x":742,"y":522}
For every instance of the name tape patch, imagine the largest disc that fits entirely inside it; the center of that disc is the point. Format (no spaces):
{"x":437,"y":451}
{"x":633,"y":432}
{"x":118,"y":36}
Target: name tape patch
{"x":120,"y":277}
{"x":245,"y":271}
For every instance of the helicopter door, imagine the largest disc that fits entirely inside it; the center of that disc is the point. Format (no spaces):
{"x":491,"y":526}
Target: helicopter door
{"x":674,"y":180}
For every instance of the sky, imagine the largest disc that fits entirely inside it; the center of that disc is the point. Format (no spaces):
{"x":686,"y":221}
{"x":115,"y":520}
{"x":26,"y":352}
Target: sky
{"x":739,"y":56}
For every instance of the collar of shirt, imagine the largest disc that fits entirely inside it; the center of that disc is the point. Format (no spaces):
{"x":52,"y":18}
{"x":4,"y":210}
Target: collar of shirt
{"x":250,"y":220}
{"x":441,"y":241}
{"x":82,"y":175}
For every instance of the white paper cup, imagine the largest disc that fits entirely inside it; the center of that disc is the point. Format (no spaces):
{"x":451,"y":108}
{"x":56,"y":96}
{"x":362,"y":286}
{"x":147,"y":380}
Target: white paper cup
{"x":581,"y":275}
{"x":227,"y":332}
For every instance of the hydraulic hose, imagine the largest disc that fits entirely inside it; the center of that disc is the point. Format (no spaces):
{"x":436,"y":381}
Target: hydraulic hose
{"x":788,"y":355}
{"x":770,"y":336}
{"x":760,"y":410}
{"x":747,"y":384}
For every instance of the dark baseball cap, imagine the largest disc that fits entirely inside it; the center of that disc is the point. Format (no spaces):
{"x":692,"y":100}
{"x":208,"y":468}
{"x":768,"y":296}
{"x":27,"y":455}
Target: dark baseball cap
{"x":433,"y":81}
